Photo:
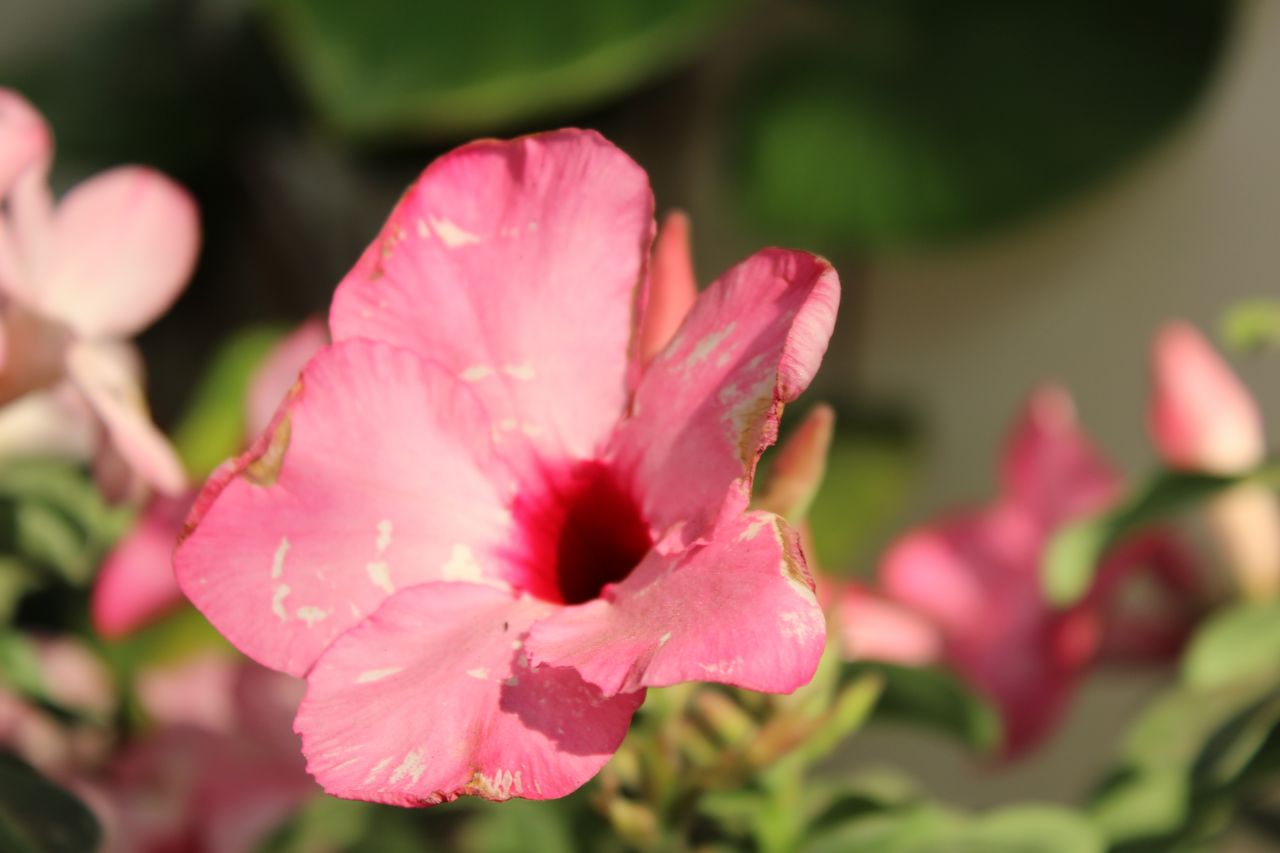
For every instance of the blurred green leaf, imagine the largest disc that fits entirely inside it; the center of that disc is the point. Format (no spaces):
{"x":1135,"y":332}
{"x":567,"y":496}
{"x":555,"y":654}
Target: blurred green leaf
{"x":933,"y":698}
{"x":53,"y":520}
{"x":37,"y":816}
{"x":1134,"y":804}
{"x":924,"y":828}
{"x":1076,"y":550}
{"x":869,"y":474}
{"x":430,"y":67}
{"x":213,"y":427}
{"x":510,"y":827}
{"x":19,"y":664}
{"x":1042,"y":828}
{"x":914,"y":121}
{"x":1239,"y":643}
{"x":324,"y":825}
{"x":1251,"y":325}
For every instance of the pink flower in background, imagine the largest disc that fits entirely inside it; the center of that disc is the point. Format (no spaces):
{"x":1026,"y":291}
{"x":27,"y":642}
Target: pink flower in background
{"x":218,"y":769}
{"x":974,"y":578}
{"x":1203,"y":418}
{"x":76,"y":280}
{"x":481,"y":525}
{"x":136,"y":583}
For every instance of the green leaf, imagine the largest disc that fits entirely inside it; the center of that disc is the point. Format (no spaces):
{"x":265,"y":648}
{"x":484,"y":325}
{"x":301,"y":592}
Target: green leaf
{"x":1251,"y":325}
{"x":37,"y":816}
{"x":53,"y":520}
{"x":918,"y":121}
{"x":432,"y":67}
{"x":1040,"y":828}
{"x":1134,"y":804}
{"x":1073,"y":555}
{"x":933,"y":698}
{"x":508,"y":828}
{"x":1240,"y":643}
{"x":213,"y":427}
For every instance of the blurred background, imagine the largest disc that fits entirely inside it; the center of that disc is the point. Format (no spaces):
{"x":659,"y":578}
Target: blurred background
{"x":1011,"y":191}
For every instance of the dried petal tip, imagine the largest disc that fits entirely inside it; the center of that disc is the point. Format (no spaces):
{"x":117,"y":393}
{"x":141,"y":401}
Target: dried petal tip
{"x":1201,"y":416}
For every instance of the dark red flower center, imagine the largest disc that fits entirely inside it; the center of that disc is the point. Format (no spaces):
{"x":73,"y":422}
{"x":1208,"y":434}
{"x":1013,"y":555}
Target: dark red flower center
{"x":584,"y":533}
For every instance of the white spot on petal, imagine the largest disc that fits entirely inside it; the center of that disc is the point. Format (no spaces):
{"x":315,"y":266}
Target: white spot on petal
{"x":277,"y":562}
{"x":451,"y":234}
{"x":423,"y":231}
{"x":523,"y":372}
{"x":462,"y":565}
{"x":311,"y":614}
{"x":704,"y":347}
{"x":476,"y":372}
{"x":479,"y":672}
{"x":277,"y":601}
{"x":377,"y":769}
{"x":664,"y":639}
{"x":380,"y":574}
{"x":384,"y":534}
{"x":412,"y":766}
{"x":371,"y":675}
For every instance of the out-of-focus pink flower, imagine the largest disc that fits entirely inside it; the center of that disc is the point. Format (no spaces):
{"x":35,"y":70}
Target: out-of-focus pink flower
{"x":975,"y":577}
{"x":480,"y":525}
{"x":78,"y":278}
{"x":135,"y":583}
{"x":1201,"y":416}
{"x":871,"y":627}
{"x":218,"y":769}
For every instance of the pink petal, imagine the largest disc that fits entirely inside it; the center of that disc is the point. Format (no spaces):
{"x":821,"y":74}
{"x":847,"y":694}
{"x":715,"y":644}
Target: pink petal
{"x":672,"y":286}
{"x":1201,"y":416}
{"x":1049,"y":465}
{"x":1149,"y":596}
{"x":709,"y":404}
{"x":136,"y":583}
{"x":103,"y":373}
{"x":197,"y":692}
{"x":279,"y":370}
{"x":874,"y":628}
{"x":739,"y":610}
{"x":514,"y":264}
{"x":25,"y":139}
{"x":124,"y":246}
{"x":432,"y":698}
{"x":377,"y":474}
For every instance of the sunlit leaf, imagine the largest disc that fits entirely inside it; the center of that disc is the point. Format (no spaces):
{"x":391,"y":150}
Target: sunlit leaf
{"x":1240,"y":643}
{"x":1251,"y":325}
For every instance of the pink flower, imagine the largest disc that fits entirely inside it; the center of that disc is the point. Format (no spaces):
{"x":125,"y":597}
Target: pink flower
{"x":1201,"y":417}
{"x":135,"y":583}
{"x":77,"y":279}
{"x":975,"y":578}
{"x":218,"y":770}
{"x":480,"y":526}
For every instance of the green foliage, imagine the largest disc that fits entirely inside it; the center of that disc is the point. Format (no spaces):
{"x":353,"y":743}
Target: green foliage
{"x":932,"y":698}
{"x":37,"y":816}
{"x":870,"y":471}
{"x":54,"y":526}
{"x":1234,"y":645}
{"x":1202,"y":751}
{"x":433,"y":67}
{"x":915,"y":121}
{"x":1251,"y":325}
{"x":213,"y":427}
{"x":925,"y":828}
